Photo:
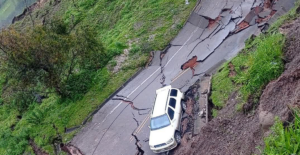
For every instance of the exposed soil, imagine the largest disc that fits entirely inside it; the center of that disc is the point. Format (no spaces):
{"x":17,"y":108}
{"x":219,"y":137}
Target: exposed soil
{"x":226,"y":133}
{"x":235,"y":133}
{"x":232,"y":72}
{"x":70,"y":149}
{"x":284,"y":93}
{"x":212,"y":22}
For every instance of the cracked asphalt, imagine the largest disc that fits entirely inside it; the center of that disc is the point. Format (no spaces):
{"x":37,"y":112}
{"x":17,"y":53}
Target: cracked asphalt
{"x":214,"y":33}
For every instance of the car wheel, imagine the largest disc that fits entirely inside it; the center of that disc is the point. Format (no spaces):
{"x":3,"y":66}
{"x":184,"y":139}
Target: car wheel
{"x":177,"y":137}
{"x":185,"y":99}
{"x":183,"y":105}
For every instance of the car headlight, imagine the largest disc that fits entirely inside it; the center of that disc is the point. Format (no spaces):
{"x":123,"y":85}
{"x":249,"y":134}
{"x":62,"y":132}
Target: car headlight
{"x":170,"y":141}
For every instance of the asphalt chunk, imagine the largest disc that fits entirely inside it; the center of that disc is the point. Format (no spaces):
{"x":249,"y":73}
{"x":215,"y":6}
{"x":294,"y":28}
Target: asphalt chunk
{"x":198,"y":20}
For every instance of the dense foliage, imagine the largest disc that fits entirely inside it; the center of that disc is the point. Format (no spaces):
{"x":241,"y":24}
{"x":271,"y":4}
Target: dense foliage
{"x":48,"y":57}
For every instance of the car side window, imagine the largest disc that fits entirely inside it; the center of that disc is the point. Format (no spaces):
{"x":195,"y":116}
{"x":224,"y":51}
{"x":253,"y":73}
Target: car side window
{"x":171,"y":113}
{"x":172,"y":103}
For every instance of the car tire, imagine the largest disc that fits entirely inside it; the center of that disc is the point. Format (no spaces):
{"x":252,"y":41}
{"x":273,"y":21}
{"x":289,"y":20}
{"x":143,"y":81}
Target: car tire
{"x":185,"y":98}
{"x":177,"y":137}
{"x":183,"y":106}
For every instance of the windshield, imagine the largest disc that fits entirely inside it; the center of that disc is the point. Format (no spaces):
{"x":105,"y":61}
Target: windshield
{"x":159,"y":122}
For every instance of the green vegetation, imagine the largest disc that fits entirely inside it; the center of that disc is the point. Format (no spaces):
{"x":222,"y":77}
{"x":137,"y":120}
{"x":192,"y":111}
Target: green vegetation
{"x":214,"y":113}
{"x":147,"y":25}
{"x":110,"y":27}
{"x":283,"y":140}
{"x":259,"y":63}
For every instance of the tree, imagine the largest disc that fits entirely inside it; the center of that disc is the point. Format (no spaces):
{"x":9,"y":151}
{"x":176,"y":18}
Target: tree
{"x":48,"y":55}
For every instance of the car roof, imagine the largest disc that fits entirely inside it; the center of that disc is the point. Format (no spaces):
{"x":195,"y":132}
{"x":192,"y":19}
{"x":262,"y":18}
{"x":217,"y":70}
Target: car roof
{"x":162,"y":96}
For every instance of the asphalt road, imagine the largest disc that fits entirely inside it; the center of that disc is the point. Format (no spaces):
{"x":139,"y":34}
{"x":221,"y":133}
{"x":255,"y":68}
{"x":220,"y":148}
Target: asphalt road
{"x":110,"y":131}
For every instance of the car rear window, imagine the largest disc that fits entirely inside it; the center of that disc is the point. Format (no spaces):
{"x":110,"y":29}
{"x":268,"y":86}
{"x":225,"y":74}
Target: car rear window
{"x":172,"y":102}
{"x":173,"y":92}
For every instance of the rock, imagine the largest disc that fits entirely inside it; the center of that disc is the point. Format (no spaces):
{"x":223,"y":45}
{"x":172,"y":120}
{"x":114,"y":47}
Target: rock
{"x":205,"y":91}
{"x":266,"y":119}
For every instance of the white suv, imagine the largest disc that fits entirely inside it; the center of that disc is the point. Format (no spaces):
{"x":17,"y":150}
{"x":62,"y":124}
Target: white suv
{"x":165,"y":121}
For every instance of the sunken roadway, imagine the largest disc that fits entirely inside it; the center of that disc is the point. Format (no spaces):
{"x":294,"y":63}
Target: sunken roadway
{"x":214,"y":33}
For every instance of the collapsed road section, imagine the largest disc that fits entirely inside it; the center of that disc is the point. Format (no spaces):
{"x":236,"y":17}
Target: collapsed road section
{"x":215,"y":32}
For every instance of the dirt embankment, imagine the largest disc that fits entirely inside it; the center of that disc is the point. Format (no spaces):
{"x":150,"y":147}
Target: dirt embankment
{"x":234,"y":133}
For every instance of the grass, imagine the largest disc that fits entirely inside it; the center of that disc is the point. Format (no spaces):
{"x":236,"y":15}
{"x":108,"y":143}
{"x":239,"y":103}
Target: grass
{"x":140,"y":26}
{"x":283,"y":141}
{"x":149,"y":24}
{"x":39,"y":119}
{"x":259,"y":63}
{"x":214,"y":113}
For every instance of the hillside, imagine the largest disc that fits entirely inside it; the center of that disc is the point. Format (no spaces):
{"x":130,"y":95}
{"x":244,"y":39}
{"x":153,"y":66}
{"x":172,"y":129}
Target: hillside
{"x":129,"y":30}
{"x":255,"y":97}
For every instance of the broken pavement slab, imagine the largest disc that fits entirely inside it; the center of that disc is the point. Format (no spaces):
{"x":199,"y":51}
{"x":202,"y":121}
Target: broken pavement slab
{"x":203,"y":49}
{"x":156,"y":61}
{"x":185,"y":34}
{"x":198,"y":20}
{"x":216,"y":45}
{"x":211,"y":9}
{"x":201,"y":118}
{"x":264,"y":13}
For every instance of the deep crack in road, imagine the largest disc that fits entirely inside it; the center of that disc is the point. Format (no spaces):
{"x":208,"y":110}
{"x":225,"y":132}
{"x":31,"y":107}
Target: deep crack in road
{"x":215,"y":32}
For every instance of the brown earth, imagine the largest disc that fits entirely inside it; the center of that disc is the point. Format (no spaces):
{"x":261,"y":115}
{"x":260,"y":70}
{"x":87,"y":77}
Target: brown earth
{"x":235,"y":133}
